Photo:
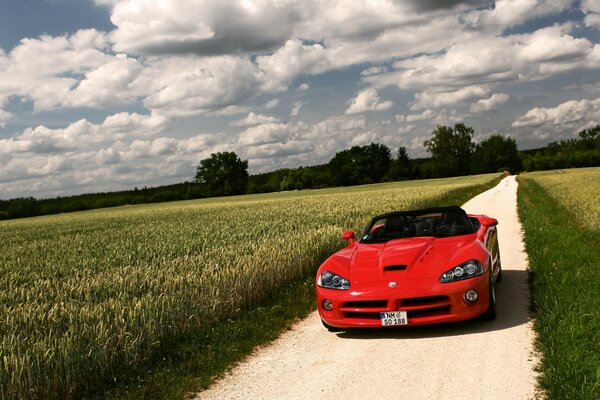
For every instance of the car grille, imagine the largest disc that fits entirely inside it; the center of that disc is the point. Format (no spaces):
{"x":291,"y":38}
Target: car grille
{"x":416,"y":307}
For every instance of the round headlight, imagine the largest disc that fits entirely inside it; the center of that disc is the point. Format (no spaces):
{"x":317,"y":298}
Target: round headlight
{"x":336,"y":280}
{"x":458,"y":271}
{"x":326,"y":278}
{"x":470,"y":268}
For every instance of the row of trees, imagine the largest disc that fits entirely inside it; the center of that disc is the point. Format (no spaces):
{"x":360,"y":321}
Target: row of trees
{"x":453,"y":153}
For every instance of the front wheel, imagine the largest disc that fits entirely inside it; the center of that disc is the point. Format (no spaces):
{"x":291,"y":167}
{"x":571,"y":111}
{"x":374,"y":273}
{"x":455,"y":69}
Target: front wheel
{"x":331,"y":328}
{"x":499,"y":277}
{"x":490,"y":313}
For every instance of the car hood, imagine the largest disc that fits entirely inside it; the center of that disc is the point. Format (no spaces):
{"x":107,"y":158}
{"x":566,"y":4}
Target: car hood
{"x":412,"y":258}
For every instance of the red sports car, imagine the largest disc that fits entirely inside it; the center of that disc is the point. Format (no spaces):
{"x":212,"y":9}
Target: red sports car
{"x":412,"y":268}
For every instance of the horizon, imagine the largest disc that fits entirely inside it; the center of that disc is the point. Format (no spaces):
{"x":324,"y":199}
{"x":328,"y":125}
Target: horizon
{"x":92,"y":101}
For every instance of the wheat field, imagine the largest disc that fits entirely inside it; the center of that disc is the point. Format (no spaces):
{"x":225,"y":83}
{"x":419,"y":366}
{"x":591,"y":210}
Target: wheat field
{"x":85,"y":294}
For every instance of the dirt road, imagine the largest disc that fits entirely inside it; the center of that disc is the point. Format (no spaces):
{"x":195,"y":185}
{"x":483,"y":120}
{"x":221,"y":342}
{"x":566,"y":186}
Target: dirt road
{"x":470,"y":360}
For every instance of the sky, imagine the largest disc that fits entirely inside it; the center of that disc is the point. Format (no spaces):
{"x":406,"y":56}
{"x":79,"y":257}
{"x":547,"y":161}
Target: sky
{"x":104,"y":95}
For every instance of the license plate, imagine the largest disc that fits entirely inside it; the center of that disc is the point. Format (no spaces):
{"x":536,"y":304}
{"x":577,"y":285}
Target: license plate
{"x":393,"y":318}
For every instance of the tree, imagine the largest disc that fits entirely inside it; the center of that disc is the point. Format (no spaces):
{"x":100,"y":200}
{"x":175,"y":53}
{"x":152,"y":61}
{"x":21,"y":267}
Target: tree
{"x":399,"y":167}
{"x":590,"y":138}
{"x":451,"y":149}
{"x":222,"y":174}
{"x":360,"y":165}
{"x":495,"y":153}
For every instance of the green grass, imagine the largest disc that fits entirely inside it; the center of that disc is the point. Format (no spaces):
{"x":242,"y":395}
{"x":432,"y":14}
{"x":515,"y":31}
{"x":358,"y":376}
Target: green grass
{"x":564,"y":254}
{"x":106,"y":297}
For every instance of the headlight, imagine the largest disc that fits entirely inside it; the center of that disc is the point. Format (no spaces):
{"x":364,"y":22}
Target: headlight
{"x":466,"y":270}
{"x":330,"y":280}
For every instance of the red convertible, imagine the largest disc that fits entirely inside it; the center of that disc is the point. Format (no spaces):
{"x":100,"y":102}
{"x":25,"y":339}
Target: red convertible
{"x":412,"y":268}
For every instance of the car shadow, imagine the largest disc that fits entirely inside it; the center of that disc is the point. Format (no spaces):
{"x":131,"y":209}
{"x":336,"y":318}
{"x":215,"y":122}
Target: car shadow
{"x":512,"y":309}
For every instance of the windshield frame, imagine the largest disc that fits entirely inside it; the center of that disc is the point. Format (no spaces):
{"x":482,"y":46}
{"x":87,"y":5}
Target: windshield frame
{"x":415,"y":217}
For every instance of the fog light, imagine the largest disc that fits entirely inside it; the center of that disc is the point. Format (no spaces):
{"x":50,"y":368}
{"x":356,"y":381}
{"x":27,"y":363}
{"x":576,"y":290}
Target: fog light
{"x":471,"y":295}
{"x":327,"y":305}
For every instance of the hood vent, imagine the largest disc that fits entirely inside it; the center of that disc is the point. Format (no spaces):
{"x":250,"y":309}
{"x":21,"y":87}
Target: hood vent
{"x":395,"y":268}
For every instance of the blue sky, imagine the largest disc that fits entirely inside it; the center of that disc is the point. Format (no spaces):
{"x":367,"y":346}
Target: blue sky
{"x":111,"y":94}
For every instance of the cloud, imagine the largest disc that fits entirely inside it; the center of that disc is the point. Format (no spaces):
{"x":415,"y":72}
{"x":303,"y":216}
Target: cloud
{"x":405,"y":129}
{"x":123,"y":125}
{"x":83,"y":135}
{"x":570,"y":113}
{"x":254,"y":119}
{"x":367,"y":100}
{"x":491,"y":103}
{"x":290,"y":60}
{"x":426,"y":115}
{"x":303,"y":87}
{"x":553,"y":44}
{"x":264,"y":134}
{"x":59,"y":64}
{"x":107,"y":85}
{"x":213,"y":27}
{"x":510,"y":13}
{"x":296,"y":108}
{"x":5,"y":116}
{"x":189,"y":85}
{"x":436,"y":99}
{"x":522,"y":57}
{"x":269,"y":105}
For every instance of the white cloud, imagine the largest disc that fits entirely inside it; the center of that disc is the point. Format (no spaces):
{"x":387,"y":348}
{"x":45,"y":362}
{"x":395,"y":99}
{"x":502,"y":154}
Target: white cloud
{"x":296,"y":108}
{"x":592,"y":20}
{"x":364,"y":138}
{"x":213,"y":27}
{"x":189,"y":85}
{"x":494,"y":60}
{"x":426,"y":115}
{"x":509,"y":13}
{"x":123,"y":125}
{"x":491,"y":103}
{"x":554,"y":44}
{"x":106,"y":85}
{"x":436,"y":99}
{"x":254,"y":119}
{"x":269,"y":105}
{"x":375,"y":70}
{"x":406,"y":129}
{"x":569,"y":113}
{"x":367,"y":100}
{"x":264,"y":134}
{"x":290,"y":60}
{"x":5,"y":116}
{"x":303,"y":87}
{"x":82,"y":135}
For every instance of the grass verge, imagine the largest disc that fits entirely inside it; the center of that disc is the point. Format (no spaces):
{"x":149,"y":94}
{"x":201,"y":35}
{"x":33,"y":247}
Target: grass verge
{"x":192,"y":362}
{"x":565,"y":282}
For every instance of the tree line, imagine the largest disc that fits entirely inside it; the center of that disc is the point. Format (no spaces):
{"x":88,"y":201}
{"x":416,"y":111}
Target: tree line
{"x":453,"y":153}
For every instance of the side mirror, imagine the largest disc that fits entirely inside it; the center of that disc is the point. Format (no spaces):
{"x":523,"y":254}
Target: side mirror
{"x":488,"y":221}
{"x":349,"y":235}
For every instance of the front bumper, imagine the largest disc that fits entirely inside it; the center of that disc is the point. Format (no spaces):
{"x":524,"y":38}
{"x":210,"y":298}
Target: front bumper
{"x":426,"y":301}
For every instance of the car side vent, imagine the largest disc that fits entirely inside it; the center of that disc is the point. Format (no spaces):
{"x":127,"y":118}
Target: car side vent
{"x":394,"y":268}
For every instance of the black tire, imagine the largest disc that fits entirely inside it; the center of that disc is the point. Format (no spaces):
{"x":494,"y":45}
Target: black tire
{"x":331,"y":328}
{"x":499,"y":277}
{"x":490,"y":313}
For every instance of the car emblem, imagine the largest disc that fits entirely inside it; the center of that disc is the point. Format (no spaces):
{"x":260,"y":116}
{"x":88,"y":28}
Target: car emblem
{"x":392,"y":284}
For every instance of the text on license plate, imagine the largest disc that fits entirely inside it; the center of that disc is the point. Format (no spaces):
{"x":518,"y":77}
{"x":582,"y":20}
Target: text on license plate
{"x":393,"y":318}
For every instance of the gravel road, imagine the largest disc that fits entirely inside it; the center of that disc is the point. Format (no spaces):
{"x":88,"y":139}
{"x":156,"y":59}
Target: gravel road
{"x":469,"y":360}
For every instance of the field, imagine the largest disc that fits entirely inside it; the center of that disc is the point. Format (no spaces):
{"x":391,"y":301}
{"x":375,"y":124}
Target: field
{"x":560,"y":213}
{"x":86,"y":295}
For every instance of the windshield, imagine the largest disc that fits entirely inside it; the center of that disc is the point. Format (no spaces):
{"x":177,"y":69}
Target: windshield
{"x":440,"y":224}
